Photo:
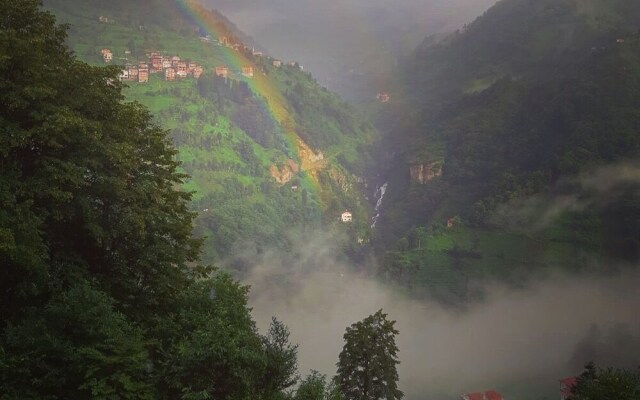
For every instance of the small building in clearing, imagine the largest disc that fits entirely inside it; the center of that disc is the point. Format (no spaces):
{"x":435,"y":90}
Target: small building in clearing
{"x":383,"y":97}
{"x":107,"y":55}
{"x":170,"y":74}
{"x":181,"y":70}
{"x":346,"y":217}
{"x":222,"y":71}
{"x":197,"y":71}
{"x":143,"y":75}
{"x":124,"y":75}
{"x":247,"y":71}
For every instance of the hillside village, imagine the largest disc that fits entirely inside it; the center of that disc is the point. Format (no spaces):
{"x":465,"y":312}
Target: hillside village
{"x":173,"y":67}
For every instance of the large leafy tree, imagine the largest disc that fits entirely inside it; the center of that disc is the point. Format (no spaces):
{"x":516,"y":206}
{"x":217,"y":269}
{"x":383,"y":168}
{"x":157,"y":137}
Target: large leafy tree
{"x":88,"y":183}
{"x":101,"y":295}
{"x":95,"y":235}
{"x":367,"y":363}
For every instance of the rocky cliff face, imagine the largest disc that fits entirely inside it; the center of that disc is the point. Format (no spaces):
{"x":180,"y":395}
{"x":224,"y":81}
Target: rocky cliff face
{"x":424,"y":172}
{"x":285,"y":173}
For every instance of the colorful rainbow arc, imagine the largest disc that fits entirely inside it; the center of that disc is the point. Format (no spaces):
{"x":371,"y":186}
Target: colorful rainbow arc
{"x":266,"y":91}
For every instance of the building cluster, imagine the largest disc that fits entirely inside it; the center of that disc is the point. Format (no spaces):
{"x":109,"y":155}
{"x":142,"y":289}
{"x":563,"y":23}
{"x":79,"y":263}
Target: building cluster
{"x":172,"y":67}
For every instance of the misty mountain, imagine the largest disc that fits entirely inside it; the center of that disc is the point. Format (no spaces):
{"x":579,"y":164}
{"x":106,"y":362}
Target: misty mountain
{"x":519,"y":154}
{"x":348,"y":44}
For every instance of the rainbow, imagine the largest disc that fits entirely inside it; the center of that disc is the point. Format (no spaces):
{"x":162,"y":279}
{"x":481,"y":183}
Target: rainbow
{"x":265,"y":90}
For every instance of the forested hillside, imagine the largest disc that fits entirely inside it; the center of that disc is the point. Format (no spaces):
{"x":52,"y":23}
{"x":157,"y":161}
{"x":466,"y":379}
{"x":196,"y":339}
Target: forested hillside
{"x":499,"y":171}
{"x":269,"y":152}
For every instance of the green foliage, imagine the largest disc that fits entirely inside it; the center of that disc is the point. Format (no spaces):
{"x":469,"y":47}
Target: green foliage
{"x":529,"y":97}
{"x":367,"y":362}
{"x":101,"y":293}
{"x":316,"y":387}
{"x":597,"y":384}
{"x":281,"y":359}
{"x":225,"y":133}
{"x":211,"y":347}
{"x":75,"y":346}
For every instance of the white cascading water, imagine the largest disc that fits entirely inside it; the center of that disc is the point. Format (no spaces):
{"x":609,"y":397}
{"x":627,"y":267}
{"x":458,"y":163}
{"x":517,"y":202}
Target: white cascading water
{"x":380,"y":191}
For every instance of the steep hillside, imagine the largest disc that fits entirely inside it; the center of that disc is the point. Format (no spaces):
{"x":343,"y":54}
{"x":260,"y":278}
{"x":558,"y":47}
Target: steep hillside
{"x":499,"y":170}
{"x":269,"y":151}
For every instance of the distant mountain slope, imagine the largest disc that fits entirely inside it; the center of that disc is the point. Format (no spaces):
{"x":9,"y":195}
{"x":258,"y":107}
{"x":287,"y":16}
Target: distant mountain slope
{"x":268,"y":150}
{"x":351,"y":46}
{"x":514,"y":118}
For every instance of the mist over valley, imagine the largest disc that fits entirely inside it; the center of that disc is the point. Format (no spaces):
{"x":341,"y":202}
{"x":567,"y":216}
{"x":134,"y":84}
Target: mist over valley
{"x":306,"y":200}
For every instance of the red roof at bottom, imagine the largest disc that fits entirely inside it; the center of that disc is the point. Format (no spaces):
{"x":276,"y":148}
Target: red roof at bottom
{"x":493,"y":395}
{"x":571,"y":381}
{"x":475,"y":396}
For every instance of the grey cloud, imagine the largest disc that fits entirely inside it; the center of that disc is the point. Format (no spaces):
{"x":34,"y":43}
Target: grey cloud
{"x":593,"y":189}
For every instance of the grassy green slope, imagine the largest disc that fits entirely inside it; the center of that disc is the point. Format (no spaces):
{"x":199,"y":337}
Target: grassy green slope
{"x":229,"y":142}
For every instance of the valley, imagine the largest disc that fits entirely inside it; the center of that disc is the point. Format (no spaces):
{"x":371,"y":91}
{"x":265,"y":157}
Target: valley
{"x":186,"y":215}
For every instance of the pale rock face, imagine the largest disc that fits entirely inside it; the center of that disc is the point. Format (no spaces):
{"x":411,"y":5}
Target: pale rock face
{"x":425,"y":172}
{"x":285,"y":173}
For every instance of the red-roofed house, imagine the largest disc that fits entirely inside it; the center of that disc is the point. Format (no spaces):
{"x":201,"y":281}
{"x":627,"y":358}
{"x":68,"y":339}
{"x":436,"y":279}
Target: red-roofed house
{"x":143,"y":75}
{"x":472,"y":396}
{"x":488,"y":395}
{"x":222,"y":71}
{"x":170,"y":74}
{"x":156,"y":63}
{"x":492,"y":395}
{"x":107,"y":55}
{"x":566,"y":387}
{"x":197,"y":71}
{"x":247,"y":71}
{"x":181,"y":70}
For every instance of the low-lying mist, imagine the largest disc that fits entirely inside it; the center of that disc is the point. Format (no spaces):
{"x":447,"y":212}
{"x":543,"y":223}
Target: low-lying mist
{"x":518,"y":341}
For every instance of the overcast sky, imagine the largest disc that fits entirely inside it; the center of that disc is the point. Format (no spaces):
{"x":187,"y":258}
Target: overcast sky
{"x":257,"y":15}
{"x":329,"y":36}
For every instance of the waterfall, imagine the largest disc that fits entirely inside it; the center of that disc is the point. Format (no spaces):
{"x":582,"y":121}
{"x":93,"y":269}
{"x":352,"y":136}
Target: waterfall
{"x":379,"y":195}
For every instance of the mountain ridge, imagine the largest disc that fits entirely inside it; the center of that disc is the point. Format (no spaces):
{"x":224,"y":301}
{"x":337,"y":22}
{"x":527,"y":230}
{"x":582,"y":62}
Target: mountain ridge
{"x":518,"y":108}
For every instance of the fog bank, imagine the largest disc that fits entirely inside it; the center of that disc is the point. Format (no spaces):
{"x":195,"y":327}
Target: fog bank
{"x":514,"y":338}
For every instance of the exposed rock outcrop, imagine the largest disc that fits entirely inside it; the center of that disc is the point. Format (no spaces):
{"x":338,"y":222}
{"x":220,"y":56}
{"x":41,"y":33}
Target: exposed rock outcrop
{"x":285,"y":173}
{"x":424,"y":172}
